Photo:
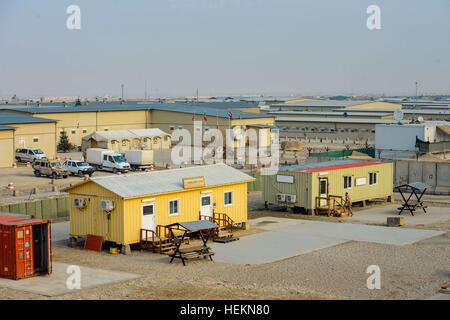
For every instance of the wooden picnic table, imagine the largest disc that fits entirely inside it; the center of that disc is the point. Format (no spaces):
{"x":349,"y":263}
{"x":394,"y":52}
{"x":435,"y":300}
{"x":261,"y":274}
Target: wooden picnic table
{"x":418,"y":190}
{"x":191,"y":252}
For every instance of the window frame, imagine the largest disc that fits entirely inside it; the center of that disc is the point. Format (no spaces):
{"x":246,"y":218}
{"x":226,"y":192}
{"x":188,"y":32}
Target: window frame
{"x":346,"y":180}
{"x":178,"y":207}
{"x":148,"y":205}
{"x":374,"y":174}
{"x":224,"y":198}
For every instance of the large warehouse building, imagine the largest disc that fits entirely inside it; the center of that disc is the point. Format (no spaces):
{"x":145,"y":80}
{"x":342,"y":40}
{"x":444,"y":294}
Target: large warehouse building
{"x":22,"y":130}
{"x":40,"y":126}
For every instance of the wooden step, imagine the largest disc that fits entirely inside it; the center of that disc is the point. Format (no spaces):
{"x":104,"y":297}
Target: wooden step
{"x":222,"y":235}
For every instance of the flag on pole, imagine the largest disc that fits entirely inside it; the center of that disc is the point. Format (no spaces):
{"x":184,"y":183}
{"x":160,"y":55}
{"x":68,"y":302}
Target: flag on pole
{"x":204,"y":117}
{"x":193,"y":117}
{"x":230,"y":114}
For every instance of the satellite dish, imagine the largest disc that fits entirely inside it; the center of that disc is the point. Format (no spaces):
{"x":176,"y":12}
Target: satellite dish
{"x":398,"y":115}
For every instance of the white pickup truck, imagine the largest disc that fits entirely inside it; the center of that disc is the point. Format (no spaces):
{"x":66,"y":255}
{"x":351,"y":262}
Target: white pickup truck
{"x":107,"y":160}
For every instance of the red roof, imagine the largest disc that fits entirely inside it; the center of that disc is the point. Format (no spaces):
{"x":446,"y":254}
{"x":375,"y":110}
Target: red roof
{"x":340,"y":166}
{"x":14,"y":220}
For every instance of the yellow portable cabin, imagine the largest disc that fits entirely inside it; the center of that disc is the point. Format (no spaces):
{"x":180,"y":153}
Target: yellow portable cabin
{"x":118,"y":207}
{"x":305,"y":187}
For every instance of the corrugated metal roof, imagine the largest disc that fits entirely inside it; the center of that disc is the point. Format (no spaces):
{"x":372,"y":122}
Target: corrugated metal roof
{"x":332,"y":113}
{"x":141,"y":184}
{"x":199,"y":110}
{"x":6,"y":118}
{"x":263,"y":126}
{"x":323,"y":103}
{"x":219,"y":109}
{"x":3,"y":127}
{"x":340,"y":120}
{"x":405,"y":111}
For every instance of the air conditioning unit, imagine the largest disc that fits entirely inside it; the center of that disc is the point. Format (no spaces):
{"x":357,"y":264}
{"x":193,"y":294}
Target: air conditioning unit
{"x":107,"y":204}
{"x":281,"y":197}
{"x":80,"y":202}
{"x":292,"y":198}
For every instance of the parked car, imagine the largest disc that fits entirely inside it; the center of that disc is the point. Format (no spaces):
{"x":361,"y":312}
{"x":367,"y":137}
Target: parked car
{"x":50,"y":168}
{"x":29,"y":154}
{"x":79,"y":168}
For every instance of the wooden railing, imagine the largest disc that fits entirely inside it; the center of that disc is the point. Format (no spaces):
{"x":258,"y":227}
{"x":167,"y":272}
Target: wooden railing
{"x":145,"y":238}
{"x":221,"y":219}
{"x":156,"y":238}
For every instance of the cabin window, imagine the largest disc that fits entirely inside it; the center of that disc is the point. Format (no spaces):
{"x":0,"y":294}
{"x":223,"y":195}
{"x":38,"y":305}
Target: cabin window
{"x":105,"y":129}
{"x":171,"y":128}
{"x":174,"y":207}
{"x":84,"y":130}
{"x":347,"y":182}
{"x":228,"y":198}
{"x":148,"y":209}
{"x":373,"y":178}
{"x":35,"y":139}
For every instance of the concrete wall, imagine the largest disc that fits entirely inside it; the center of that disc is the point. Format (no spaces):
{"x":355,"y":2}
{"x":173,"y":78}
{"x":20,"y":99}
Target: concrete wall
{"x":47,"y":209}
{"x":435,"y":174}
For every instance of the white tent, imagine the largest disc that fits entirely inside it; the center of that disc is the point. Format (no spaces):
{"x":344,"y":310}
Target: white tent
{"x":135,"y":139}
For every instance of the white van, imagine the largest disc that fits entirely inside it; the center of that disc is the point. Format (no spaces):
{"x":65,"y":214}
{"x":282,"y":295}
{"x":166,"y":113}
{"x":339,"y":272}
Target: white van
{"x":29,"y":154}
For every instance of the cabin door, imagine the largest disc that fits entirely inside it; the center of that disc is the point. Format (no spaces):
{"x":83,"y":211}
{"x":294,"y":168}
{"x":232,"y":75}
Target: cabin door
{"x":149,"y":216}
{"x":323,"y":191}
{"x":206,"y":208}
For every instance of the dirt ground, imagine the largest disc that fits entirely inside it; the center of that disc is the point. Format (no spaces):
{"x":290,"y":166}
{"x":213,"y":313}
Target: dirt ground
{"x":413,"y":271}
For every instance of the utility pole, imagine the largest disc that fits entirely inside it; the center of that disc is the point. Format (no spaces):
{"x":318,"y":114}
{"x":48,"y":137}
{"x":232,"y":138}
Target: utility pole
{"x":415,"y":105}
{"x":416,"y":89}
{"x":122,"y":85}
{"x":145,"y":89}
{"x":197,"y":94}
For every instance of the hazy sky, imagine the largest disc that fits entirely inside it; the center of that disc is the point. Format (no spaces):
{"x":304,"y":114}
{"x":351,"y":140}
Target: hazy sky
{"x":223,"y":47}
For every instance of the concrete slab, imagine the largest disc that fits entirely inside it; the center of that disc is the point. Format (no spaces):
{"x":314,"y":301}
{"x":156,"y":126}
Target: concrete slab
{"x":286,"y":238}
{"x":274,"y":223}
{"x":379,"y":215}
{"x":363,"y":232}
{"x":270,"y":246}
{"x":55,"y":284}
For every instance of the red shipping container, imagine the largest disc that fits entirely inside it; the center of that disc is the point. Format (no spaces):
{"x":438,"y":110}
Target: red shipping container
{"x":25,"y":247}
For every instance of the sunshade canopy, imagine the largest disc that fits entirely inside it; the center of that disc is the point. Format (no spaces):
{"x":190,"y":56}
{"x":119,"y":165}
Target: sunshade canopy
{"x":195,"y":225}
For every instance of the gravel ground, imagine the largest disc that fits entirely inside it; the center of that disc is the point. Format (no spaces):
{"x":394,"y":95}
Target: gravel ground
{"x":407,"y":272}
